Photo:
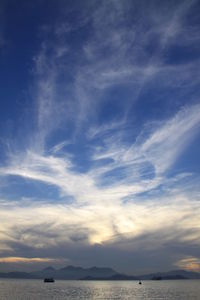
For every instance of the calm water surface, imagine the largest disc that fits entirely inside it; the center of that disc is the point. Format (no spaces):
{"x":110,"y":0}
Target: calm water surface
{"x":121,"y":290}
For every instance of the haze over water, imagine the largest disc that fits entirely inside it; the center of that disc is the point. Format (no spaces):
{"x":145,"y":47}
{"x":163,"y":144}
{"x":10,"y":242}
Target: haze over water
{"x":87,"y":290}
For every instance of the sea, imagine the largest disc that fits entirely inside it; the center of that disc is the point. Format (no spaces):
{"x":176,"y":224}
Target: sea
{"x":18,"y":289}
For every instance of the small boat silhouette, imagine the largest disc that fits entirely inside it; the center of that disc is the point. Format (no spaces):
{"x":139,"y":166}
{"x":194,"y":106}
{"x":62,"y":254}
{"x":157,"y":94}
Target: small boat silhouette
{"x":49,"y":280}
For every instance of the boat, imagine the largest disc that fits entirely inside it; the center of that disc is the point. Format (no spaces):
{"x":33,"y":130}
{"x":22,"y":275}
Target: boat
{"x":49,"y":280}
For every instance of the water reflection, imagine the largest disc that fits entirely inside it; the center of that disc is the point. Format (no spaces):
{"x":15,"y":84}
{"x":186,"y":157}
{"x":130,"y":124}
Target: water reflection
{"x":121,"y":290}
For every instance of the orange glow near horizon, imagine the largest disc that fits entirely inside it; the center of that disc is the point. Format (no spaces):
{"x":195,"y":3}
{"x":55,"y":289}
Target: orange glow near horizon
{"x":13,"y":259}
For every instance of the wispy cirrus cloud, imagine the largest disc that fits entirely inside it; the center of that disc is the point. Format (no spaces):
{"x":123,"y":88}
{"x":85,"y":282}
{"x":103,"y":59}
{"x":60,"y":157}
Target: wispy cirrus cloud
{"x":160,"y":148}
{"x":156,"y":155}
{"x":90,"y":198}
{"x":113,"y":55}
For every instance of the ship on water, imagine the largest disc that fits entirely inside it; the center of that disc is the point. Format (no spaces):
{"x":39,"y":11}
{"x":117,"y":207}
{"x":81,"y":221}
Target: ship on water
{"x":49,"y":280}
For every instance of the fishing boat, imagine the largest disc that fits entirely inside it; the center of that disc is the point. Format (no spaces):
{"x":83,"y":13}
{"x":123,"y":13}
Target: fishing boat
{"x":49,"y":280}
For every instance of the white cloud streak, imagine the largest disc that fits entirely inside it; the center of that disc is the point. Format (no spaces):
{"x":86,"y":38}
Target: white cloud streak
{"x":90,"y":199}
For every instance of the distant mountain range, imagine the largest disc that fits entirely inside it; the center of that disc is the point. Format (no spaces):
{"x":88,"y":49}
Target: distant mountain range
{"x":95,"y":273}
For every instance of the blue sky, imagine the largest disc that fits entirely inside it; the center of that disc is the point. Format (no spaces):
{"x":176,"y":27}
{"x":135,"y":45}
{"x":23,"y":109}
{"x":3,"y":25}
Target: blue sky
{"x":100,"y":134}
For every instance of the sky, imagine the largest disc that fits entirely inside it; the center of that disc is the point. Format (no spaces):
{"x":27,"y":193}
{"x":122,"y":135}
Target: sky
{"x":100,"y":134}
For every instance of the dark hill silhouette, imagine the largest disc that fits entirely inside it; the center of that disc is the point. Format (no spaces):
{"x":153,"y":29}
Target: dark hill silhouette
{"x":72,"y":272}
{"x":49,"y":269}
{"x":96,"y":273}
{"x":174,"y":274}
